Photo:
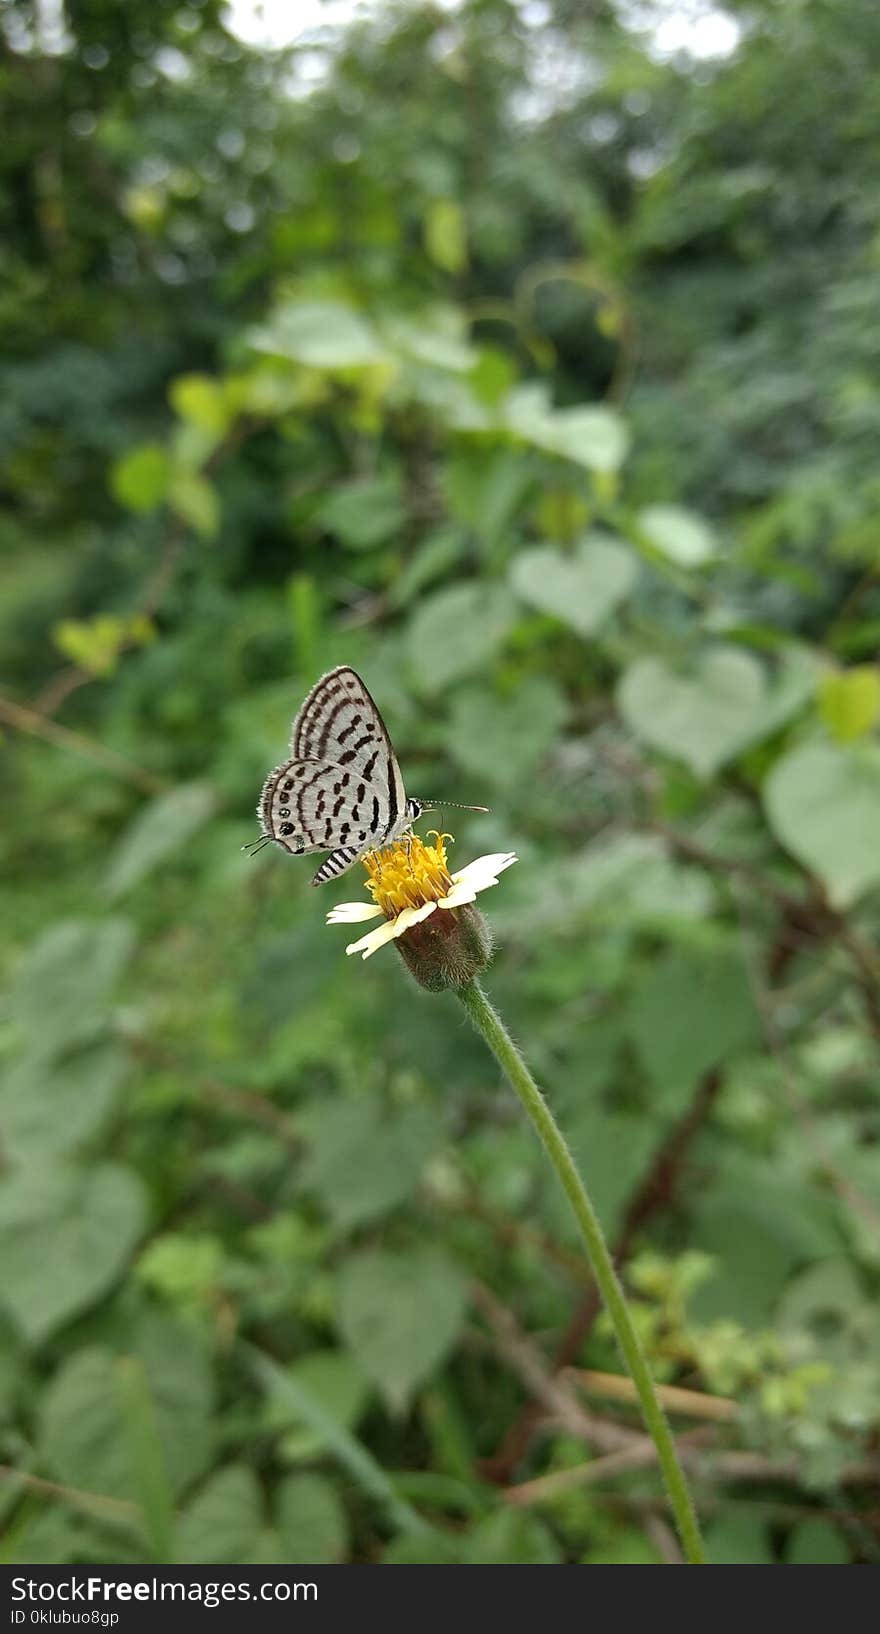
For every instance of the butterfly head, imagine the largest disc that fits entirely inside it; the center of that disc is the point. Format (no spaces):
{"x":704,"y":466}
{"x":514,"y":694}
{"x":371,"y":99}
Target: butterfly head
{"x":414,"y":809}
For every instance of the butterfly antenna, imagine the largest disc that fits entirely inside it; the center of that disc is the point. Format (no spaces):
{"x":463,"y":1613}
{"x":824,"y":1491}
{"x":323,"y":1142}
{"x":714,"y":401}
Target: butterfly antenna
{"x":441,"y":805}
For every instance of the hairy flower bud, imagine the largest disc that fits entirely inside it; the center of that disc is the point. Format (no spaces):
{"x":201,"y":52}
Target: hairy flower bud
{"x":447,"y":950}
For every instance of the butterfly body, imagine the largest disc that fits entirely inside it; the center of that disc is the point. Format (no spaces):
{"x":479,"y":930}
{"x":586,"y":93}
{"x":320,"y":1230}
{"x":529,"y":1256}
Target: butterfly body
{"x":342,"y":790}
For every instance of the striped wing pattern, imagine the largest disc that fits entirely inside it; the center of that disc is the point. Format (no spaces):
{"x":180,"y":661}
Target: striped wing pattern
{"x":342,"y":790}
{"x":310,"y":805}
{"x":340,"y":722}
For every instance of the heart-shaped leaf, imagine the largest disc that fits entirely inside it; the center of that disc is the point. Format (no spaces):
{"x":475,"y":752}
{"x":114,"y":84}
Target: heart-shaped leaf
{"x":823,"y":804}
{"x":681,"y":536}
{"x":457,"y":631}
{"x":580,"y":587}
{"x":596,"y":438}
{"x":82,"y":1420}
{"x":707,"y":714}
{"x":64,"y":1239}
{"x":500,"y":739}
{"x":321,"y":334}
{"x":400,"y":1313}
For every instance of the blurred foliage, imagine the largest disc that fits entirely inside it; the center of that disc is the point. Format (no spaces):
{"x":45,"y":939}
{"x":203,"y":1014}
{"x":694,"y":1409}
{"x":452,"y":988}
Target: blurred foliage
{"x":531,"y":368}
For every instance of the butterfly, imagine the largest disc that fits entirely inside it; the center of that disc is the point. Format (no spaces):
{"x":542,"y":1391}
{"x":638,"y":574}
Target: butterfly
{"x":342,"y":790}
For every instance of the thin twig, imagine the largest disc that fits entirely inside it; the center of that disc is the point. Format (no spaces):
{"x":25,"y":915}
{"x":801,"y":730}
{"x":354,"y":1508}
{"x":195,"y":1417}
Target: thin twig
{"x":92,"y":1503}
{"x":660,"y":1533}
{"x":526,"y":1361}
{"x":617,"y":1387}
{"x":37,"y":725}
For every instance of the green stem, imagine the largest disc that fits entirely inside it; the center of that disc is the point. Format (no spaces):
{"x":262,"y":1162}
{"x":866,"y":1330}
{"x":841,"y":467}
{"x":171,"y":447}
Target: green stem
{"x":487,"y":1022}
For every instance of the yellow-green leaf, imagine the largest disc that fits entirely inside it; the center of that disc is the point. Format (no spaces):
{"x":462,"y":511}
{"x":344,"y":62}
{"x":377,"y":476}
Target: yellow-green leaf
{"x":849,"y":702}
{"x":446,"y":235}
{"x":198,"y":398}
{"x":140,"y":479}
{"x":94,"y":644}
{"x":195,"y":501}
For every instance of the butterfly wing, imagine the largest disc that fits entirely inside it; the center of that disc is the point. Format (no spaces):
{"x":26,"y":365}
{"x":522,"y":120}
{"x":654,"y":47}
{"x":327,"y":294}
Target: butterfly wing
{"x":312,"y":805}
{"x":339,"y":722}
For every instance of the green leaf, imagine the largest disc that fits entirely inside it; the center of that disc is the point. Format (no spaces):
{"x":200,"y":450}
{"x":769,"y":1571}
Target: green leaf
{"x":141,"y":478}
{"x":321,"y":334}
{"x":456,"y":631}
{"x":159,"y":830}
{"x":486,"y":490}
{"x":195,"y":501}
{"x":692,"y":1010}
{"x":65,"y":1238}
{"x":580,"y":587}
{"x":626,"y":1547}
{"x":184,"y":1267}
{"x":679,"y":535}
{"x":627,"y":880}
{"x":739,"y":1540}
{"x":630,"y":879}
{"x":50,"y":1106}
{"x":63,"y":984}
{"x":400,"y":1313}
{"x":816,"y":1543}
{"x":823,"y":804}
{"x":304,"y":601}
{"x":362,"y":1162}
{"x":334,"y":1380}
{"x":759,"y":1226}
{"x":826,"y":1301}
{"x":95,"y":644}
{"x":502,"y":740}
{"x":221,"y":1525}
{"x":364,"y":514}
{"x":150,"y":1477}
{"x":849,"y":702}
{"x":292,"y":1393}
{"x":707,"y":714}
{"x":510,"y":1538}
{"x":436,"y":339}
{"x":595,"y":438}
{"x":423,"y":1549}
{"x":56,"y":1535}
{"x":82,"y":1437}
{"x":198,"y":398}
{"x":613,"y":1150}
{"x":446,"y":235}
{"x":311,"y":1521}
{"x":438,"y":552}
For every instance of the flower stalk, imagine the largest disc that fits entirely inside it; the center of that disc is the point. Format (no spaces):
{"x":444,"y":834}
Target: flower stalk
{"x":489,"y":1024}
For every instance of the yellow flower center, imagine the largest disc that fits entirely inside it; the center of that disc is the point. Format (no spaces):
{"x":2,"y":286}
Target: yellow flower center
{"x":408,"y":874}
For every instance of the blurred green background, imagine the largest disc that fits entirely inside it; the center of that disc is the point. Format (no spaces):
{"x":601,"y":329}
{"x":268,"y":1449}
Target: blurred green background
{"x":525,"y":356}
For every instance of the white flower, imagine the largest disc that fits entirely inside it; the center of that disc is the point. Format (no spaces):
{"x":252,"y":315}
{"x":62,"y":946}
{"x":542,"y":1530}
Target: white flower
{"x":409,"y":881}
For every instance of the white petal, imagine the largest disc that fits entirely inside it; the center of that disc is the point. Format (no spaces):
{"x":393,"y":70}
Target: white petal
{"x":374,"y":939}
{"x":485,"y":870}
{"x":457,"y":897}
{"x":349,"y":913}
{"x":392,"y":928}
{"x":412,"y":916}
